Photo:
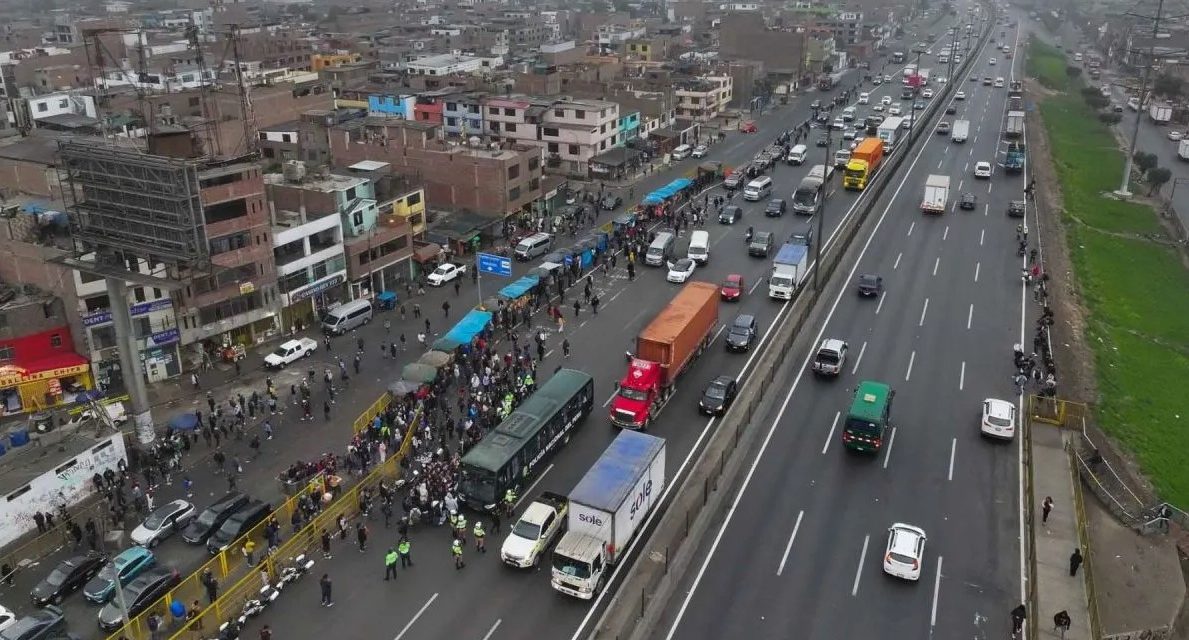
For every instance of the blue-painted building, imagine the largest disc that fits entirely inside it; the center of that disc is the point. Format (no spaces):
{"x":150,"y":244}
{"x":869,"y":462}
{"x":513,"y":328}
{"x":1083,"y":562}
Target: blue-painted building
{"x":462,"y":115}
{"x":629,"y":128}
{"x":390,"y":105}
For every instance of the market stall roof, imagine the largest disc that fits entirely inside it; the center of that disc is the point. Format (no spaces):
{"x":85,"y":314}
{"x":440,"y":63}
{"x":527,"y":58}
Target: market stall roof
{"x":427,"y":252}
{"x":435,"y":359}
{"x":471,"y":325}
{"x":418,"y":372}
{"x":445,"y":343}
{"x":403,"y":387}
{"x":519,"y":288}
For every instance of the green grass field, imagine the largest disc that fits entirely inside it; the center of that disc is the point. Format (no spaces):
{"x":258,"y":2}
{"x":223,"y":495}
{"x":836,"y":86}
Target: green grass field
{"x":1136,"y":291}
{"x":1047,"y":65}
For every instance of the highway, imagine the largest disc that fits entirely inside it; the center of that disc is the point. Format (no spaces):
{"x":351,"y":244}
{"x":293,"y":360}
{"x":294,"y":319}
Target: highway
{"x":800,"y":552}
{"x":489,"y":601}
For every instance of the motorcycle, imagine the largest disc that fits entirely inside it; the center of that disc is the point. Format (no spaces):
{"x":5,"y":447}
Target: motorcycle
{"x":298,"y":567}
{"x":229,"y":630}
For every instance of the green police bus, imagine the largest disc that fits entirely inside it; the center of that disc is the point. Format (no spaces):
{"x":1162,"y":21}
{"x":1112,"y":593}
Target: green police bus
{"x":869,"y":417}
{"x":512,"y":455}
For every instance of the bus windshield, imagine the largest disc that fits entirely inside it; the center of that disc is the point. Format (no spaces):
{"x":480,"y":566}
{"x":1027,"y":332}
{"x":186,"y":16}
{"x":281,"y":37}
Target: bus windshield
{"x":479,"y":484}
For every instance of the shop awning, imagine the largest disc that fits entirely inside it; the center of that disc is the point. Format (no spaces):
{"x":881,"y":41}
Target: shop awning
{"x":56,"y":365}
{"x":427,"y":252}
{"x":519,"y":288}
{"x":470,"y":326}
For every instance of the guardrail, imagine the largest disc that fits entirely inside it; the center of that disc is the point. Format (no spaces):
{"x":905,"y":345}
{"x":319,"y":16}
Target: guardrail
{"x":231,"y":565}
{"x":648,"y":584}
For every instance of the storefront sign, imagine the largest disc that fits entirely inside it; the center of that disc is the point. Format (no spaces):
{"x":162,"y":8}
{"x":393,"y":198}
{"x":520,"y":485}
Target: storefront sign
{"x":246,"y":287}
{"x":103,"y":317}
{"x":11,"y":376}
{"x":316,"y":288}
{"x":162,"y":338}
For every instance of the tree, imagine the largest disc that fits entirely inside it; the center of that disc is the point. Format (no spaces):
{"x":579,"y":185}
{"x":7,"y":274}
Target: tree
{"x":1157,"y":177}
{"x":1094,"y":98}
{"x":1145,"y":162}
{"x":1168,"y":85}
{"x":1073,"y":71}
{"x":1110,"y":117}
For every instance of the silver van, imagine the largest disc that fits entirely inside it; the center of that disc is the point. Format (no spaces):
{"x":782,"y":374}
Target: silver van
{"x":347,"y":316}
{"x":661,"y":249}
{"x":533,"y":246}
{"x":757,"y":189}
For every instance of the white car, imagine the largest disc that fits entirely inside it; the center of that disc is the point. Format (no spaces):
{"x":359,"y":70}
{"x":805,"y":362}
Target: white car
{"x":849,"y":134}
{"x":886,"y":100}
{"x":864,"y":98}
{"x":961,"y":95}
{"x":681,"y":270}
{"x":700,"y":151}
{"x":998,"y":83}
{"x":906,"y":551}
{"x":895,"y":109}
{"x":907,"y":124}
{"x":877,"y":108}
{"x":887,"y":78}
{"x":991,"y":61}
{"x":163,"y":522}
{"x":877,"y":80}
{"x":839,"y":123}
{"x":1176,"y":136}
{"x":999,"y":419}
{"x":927,"y":94}
{"x":982,"y":169}
{"x":7,"y":618}
{"x":445,"y":273}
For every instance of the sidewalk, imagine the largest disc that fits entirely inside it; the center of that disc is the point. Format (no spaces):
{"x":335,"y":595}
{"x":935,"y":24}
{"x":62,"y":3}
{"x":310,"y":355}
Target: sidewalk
{"x":1055,"y":540}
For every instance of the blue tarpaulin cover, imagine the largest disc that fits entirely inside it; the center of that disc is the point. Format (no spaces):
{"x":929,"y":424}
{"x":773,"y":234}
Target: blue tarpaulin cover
{"x":613,"y":475}
{"x":519,"y":288}
{"x":470,"y":326}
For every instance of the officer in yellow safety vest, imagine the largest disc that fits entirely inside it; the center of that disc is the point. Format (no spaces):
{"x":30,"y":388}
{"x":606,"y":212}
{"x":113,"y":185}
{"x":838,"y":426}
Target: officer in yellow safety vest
{"x":460,"y":528}
{"x":453,"y":519}
{"x":390,"y":564}
{"x":480,"y":537}
{"x":456,"y":550}
{"x":404,"y":547}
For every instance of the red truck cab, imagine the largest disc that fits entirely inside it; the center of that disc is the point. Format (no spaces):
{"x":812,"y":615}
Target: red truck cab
{"x":636,"y":393}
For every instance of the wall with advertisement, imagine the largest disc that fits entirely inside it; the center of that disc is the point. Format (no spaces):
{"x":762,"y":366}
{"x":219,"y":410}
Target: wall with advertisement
{"x":154,"y":320}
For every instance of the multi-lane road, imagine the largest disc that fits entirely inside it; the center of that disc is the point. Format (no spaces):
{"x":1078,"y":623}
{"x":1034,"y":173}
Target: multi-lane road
{"x":487,"y":600}
{"x":801,"y":549}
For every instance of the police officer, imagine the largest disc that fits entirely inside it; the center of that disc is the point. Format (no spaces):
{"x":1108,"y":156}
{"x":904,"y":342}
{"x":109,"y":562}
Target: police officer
{"x":480,"y":537}
{"x":404,"y":548}
{"x":460,"y":531}
{"x":456,"y":551}
{"x":390,"y":564}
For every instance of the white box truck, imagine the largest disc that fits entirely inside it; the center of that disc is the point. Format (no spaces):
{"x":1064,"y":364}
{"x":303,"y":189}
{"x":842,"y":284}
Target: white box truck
{"x":1014,"y":127}
{"x":1160,"y":113}
{"x":788,"y":271}
{"x":1183,"y":149}
{"x":960,"y":131}
{"x":607,"y":509}
{"x":937,"y":194}
{"x":889,"y":132}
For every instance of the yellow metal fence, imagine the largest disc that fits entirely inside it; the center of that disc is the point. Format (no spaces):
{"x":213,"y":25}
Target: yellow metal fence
{"x":237,"y":580}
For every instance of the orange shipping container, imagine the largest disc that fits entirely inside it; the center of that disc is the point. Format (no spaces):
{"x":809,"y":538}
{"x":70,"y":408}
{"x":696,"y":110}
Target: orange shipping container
{"x":677,"y":332}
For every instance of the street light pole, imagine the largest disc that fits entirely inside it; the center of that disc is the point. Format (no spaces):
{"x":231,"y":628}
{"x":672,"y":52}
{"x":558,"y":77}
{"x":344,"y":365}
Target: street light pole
{"x":821,"y":210}
{"x":1143,"y":89}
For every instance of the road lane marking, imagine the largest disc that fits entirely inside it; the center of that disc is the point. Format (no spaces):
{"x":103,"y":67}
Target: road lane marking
{"x":936,"y":264}
{"x":753,"y":287}
{"x":911,"y":227}
{"x":862,"y":349}
{"x":966,"y":167}
{"x":788,"y":547}
{"x":609,"y":398}
{"x":491,"y":632}
{"x":924,"y":310}
{"x":936,"y":594}
{"x":532,"y":486}
{"x":549,"y":353}
{"x":417,"y":615}
{"x":888,"y":456}
{"x":977,"y":265}
{"x":939,"y":162}
{"x":830,"y":436}
{"x":946,"y":234}
{"x":912,"y":357}
{"x":989,"y":188}
{"x":718,"y":333}
{"x":960,"y":183}
{"x":969,"y":316}
{"x":982,"y":234}
{"x":854,"y":591}
{"x":962,"y":376}
{"x":953,"y":454}
{"x":880,"y":305}
{"x":986,"y":209}
{"x":897,"y":263}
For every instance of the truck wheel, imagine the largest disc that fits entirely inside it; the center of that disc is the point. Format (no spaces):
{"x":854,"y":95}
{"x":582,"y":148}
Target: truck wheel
{"x":647,"y":423}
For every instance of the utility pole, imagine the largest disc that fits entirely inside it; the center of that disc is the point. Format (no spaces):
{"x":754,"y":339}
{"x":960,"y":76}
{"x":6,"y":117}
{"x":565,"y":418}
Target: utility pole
{"x":821,"y":208}
{"x":1143,"y":90}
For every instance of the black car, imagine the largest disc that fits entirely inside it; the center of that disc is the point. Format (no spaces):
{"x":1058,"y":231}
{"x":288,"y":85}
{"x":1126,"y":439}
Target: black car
{"x":1016,"y":208}
{"x":46,"y":623}
{"x":802,"y":238}
{"x":213,"y":517}
{"x":730,"y":214}
{"x":870,"y":285}
{"x":139,"y":594}
{"x":951,"y":109}
{"x":742,"y":333}
{"x":67,"y":577}
{"x":823,"y":140}
{"x":610,"y":202}
{"x":968,"y":201}
{"x":775,"y":208}
{"x":718,"y":396}
{"x":761,"y":244}
{"x":237,"y":525}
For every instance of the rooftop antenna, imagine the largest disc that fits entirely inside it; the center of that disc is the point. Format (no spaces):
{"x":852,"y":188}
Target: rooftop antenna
{"x":193,"y":37}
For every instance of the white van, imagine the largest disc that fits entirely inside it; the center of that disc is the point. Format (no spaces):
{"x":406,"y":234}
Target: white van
{"x":347,"y":316}
{"x":757,"y":189}
{"x":797,"y":154}
{"x":682,"y":152}
{"x":533,"y":246}
{"x":848,"y":114}
{"x":864,"y":98}
{"x":699,"y":247}
{"x":661,"y":249}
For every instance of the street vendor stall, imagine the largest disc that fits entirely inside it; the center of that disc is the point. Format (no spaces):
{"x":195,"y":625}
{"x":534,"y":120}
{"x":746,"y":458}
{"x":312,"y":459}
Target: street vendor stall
{"x":419,"y":372}
{"x":436,"y":359}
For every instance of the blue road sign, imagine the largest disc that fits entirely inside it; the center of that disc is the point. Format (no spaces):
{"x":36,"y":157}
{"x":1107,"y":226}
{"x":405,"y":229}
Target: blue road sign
{"x":498,"y":265}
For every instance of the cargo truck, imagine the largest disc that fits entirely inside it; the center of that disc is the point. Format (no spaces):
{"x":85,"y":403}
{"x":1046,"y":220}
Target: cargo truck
{"x":937,"y":194}
{"x":889,"y":132}
{"x":535,"y":530}
{"x":864,"y":160}
{"x":960,"y":131}
{"x":1160,"y":113}
{"x":788,"y":271}
{"x":607,"y":509}
{"x":1014,"y":162}
{"x":1183,"y":150}
{"x":664,"y":349}
{"x":1015,"y":125}
{"x":924,"y":76}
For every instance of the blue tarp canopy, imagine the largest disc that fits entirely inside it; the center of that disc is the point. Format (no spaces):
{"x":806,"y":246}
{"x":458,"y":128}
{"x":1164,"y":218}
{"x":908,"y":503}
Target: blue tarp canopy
{"x":519,"y":288}
{"x":184,"y":422}
{"x":667,"y":191}
{"x":470,"y":326}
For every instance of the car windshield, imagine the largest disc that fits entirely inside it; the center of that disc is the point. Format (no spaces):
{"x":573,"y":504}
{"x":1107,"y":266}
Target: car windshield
{"x":571,"y":567}
{"x":682,"y":264}
{"x":442,"y":270}
{"x":868,"y":281}
{"x":56,"y":578}
{"x":526,"y":530}
{"x":633,"y":394}
{"x":716,"y":391}
{"x":730,"y":284}
{"x":207,"y":518}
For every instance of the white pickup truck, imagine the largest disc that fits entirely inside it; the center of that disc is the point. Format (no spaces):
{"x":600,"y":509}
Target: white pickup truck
{"x":535,"y":530}
{"x":290,"y":352}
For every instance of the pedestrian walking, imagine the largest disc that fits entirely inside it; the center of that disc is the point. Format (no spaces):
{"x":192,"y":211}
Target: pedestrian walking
{"x":594,"y":304}
{"x":1018,"y":616}
{"x":565,"y":348}
{"x":1046,"y":507}
{"x":1062,"y":622}
{"x":1075,"y":561}
{"x":390,"y":564}
{"x":456,"y":551}
{"x":326,"y":544}
{"x":405,"y":548}
{"x":326,"y":586}
{"x":361,"y":536}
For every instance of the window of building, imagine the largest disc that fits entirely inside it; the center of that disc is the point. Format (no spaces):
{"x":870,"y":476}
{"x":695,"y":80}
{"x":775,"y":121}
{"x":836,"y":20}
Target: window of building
{"x":63,"y":103}
{"x":534,"y":184}
{"x":514,"y":172}
{"x":559,"y":113}
{"x":495,"y":126}
{"x":493,"y":111}
{"x":603,"y":129}
{"x":267,"y":153}
{"x":42,"y":107}
{"x":285,"y":137}
{"x":580,"y":114}
{"x":574,"y":150}
{"x":452,"y":106}
{"x":534,"y":163}
{"x":350,"y":194}
{"x":357,"y":218}
{"x":225,"y":211}
{"x":552,"y":147}
{"x":550,"y":132}
{"x":195,"y":101}
{"x":232,"y":242}
{"x":413,"y":199}
{"x":97,"y":303}
{"x":138,"y":294}
{"x":225,"y":309}
{"x":142,"y":327}
{"x":508,"y":111}
{"x":7,"y":353}
{"x":451,"y":122}
{"x":87,"y":278}
{"x":3,"y":321}
{"x":513,"y":194}
{"x":510,"y":127}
